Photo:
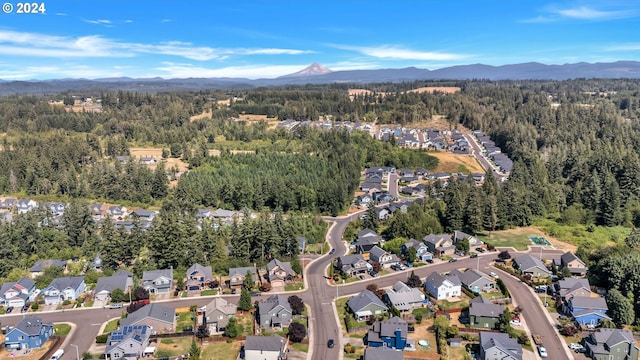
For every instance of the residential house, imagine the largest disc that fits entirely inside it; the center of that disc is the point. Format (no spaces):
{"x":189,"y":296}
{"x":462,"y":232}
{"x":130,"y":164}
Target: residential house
{"x":17,"y":293}
{"x":422,"y":251}
{"x":122,"y":159}
{"x":128,"y":343}
{"x":363,"y":200}
{"x":204,"y":214}
{"x":439,"y":244}
{"x":30,"y":333}
{"x":475,"y":280}
{"x":272,"y":347}
{"x":160,"y":318}
{"x":531,"y":265}
{"x":588,"y":310}
{"x":148,"y":160}
{"x":364,"y":244}
{"x":237,"y":276}
{"x":223,"y":216}
{"x":380,"y":353}
{"x":56,"y":208}
{"x":143,"y":214}
{"x":484,"y":314}
{"x":217,"y":314}
{"x":403,"y":297}
{"x":39,"y":267}
{"x":370,"y":185}
{"x":391,"y":334}
{"x":23,"y":206}
{"x":575,"y":265}
{"x":8,"y":204}
{"x":122,"y":280}
{"x":381,"y":169}
{"x":64,"y":288}
{"x":406,"y":172}
{"x":570,"y":287}
{"x":117,"y":212}
{"x":366,"y":304}
{"x":382,"y":196}
{"x":478,"y":177}
{"x":97,"y":211}
{"x":494,"y":345}
{"x":409,"y":191}
{"x":382,"y":257}
{"x":157,"y":281}
{"x":274,"y":312}
{"x":198,"y":277}
{"x":279,"y":273}
{"x":611,"y":344}
{"x":353,"y":264}
{"x":473,"y":241}
{"x":442,"y":287}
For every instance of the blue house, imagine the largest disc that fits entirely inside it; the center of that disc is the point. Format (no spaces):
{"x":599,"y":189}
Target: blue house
{"x":29,"y":333}
{"x":587,"y":310}
{"x":422,"y":251}
{"x":390,"y":333}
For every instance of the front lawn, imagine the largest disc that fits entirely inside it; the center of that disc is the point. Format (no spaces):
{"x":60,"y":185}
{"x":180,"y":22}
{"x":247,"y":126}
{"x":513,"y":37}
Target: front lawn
{"x":348,"y":319}
{"x":111,"y":326}
{"x":209,"y":292}
{"x":300,"y":347}
{"x":62,"y":329}
{"x":294,"y":286}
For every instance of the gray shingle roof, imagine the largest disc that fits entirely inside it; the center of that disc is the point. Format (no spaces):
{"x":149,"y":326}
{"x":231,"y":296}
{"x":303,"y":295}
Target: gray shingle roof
{"x":31,"y":325}
{"x":40,"y":265}
{"x":69,"y":282}
{"x":588,"y":302}
{"x":154,"y":274}
{"x":526,"y":262}
{"x":378,"y":353}
{"x":204,"y":270}
{"x":243,"y":271}
{"x":154,"y":311}
{"x":366,"y":297}
{"x":485,"y":310}
{"x":109,"y":283}
{"x":284,"y":265}
{"x":502,"y":341}
{"x":266,"y":343}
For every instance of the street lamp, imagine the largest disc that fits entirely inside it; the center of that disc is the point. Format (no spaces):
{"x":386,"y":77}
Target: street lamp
{"x":77,"y":351}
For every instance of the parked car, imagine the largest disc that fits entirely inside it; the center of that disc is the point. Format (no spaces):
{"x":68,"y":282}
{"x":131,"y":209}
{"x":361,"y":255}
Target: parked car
{"x":330,"y":343}
{"x":541,"y":288}
{"x":332,"y":251}
{"x":494,"y":275}
{"x":581,"y":350}
{"x":453,"y":260}
{"x":574,"y":346}
{"x":480,"y":250}
{"x":542,"y":351}
{"x":473,"y":255}
{"x":115,"y":306}
{"x":9,"y":309}
{"x":361,"y":277}
{"x":25,"y":308}
{"x":373,"y":274}
{"x":515,"y":322}
{"x":255,"y":293}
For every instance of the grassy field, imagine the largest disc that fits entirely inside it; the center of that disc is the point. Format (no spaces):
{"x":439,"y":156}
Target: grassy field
{"x":221,"y":350}
{"x":174,"y":346}
{"x":184,"y":319}
{"x":456,"y":163}
{"x":506,"y":238}
{"x":590,"y":237}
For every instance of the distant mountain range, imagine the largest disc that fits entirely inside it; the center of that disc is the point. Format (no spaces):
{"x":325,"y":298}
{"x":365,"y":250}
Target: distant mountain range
{"x":318,"y":74}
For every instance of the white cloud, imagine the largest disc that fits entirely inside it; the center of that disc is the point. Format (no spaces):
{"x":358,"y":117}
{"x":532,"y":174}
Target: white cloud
{"x":172,"y":70}
{"x":40,"y":45}
{"x":61,"y":14}
{"x":399,"y":53}
{"x":353,"y":65}
{"x":624,"y":47}
{"x":99,"y":22}
{"x":67,"y":71}
{"x":588,"y":13}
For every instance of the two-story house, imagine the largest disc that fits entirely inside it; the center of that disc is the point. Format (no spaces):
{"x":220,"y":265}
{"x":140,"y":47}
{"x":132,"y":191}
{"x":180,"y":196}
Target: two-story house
{"x":403,"y":297}
{"x":23,"y":206}
{"x":473,"y":241}
{"x":41,"y":265}
{"x":611,"y":344}
{"x":64,"y":288}
{"x":17,"y":293}
{"x":439,"y":244}
{"x":569,"y":287}
{"x":128,"y":343}
{"x":157,"y":281}
{"x":442,"y":287}
{"x":570,"y":261}
{"x":237,"y":276}
{"x":390,"y":333}
{"x":217,"y":314}
{"x":353,"y":264}
{"x":198,"y":277}
{"x":272,"y":347}
{"x":117,"y":212}
{"x":588,"y":310}
{"x":274,"y":312}
{"x":380,"y":353}
{"x":484,"y":314}
{"x":499,"y":346}
{"x":122,"y":280}
{"x":160,"y":318}
{"x":30,"y":333}
{"x":527,"y":264}
{"x":382,"y":257}
{"x":422,"y":251}
{"x":279,"y":273}
{"x":366,"y":304}
{"x":475,"y":281}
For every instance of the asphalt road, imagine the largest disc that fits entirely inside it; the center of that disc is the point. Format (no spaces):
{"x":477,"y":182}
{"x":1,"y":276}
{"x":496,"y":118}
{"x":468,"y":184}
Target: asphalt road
{"x":477,"y":153}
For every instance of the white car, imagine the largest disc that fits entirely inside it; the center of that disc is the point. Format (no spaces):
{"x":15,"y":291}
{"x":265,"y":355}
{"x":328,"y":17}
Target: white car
{"x":542,"y":351}
{"x":515,"y":322}
{"x":575,"y":346}
{"x":494,"y":275}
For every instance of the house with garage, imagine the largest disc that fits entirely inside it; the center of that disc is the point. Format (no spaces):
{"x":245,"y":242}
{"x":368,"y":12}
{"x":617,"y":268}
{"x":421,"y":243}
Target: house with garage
{"x":280,"y":273}
{"x":530,"y":265}
{"x":611,"y":344}
{"x":157,"y":281}
{"x":122,"y":280}
{"x":380,"y":353}
{"x":161,"y":319}
{"x":442,"y":287}
{"x":422,"y":251}
{"x":23,"y":206}
{"x":439,"y":245}
{"x":128,"y":343}
{"x":570,"y":261}
{"x":363,"y":200}
{"x":403,"y":297}
{"x":17,"y":293}
{"x":217,"y":314}
{"x":237,"y":276}
{"x":366,"y":304}
{"x":391,"y":334}
{"x":117,"y":212}
{"x":143,"y":214}
{"x":483,"y":314}
{"x":494,"y":345}
{"x":41,"y":265}
{"x":64,"y":288}
{"x":274,"y":312}
{"x":569,"y":287}
{"x":30,"y":333}
{"x":272,"y":347}
{"x":473,"y":241}
{"x":352,"y":265}
{"x":382,"y":257}
{"x":588,"y":310}
{"x":198,"y":277}
{"x":475,"y":280}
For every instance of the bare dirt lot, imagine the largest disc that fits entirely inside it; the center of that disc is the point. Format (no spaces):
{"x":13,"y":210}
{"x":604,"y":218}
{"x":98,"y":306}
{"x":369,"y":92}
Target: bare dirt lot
{"x":432,"y":89}
{"x":525,"y":232}
{"x":453,"y":163}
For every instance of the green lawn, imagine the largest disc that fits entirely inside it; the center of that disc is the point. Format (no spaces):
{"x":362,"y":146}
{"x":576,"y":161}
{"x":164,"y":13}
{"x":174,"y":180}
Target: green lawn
{"x":184,"y":319}
{"x":294,"y":286}
{"x":517,"y":241}
{"x":208,"y":292}
{"x":552,"y":304}
{"x":344,"y":316}
{"x":111,"y":325}
{"x":62,"y":329}
{"x":446,"y":304}
{"x":590,"y":237}
{"x":299,"y":347}
{"x":174,"y":346}
{"x":222,"y":351}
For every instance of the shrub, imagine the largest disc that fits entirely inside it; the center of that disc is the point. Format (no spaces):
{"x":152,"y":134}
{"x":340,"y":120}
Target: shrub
{"x":66,"y":302}
{"x":35,"y":306}
{"x":102,"y":338}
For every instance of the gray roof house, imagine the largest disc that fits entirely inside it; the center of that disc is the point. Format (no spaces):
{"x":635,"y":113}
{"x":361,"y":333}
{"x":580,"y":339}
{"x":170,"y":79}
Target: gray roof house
{"x":404,"y":298}
{"x":40,"y":265}
{"x":384,"y":258}
{"x":459,"y":236}
{"x":237,"y":275}
{"x":575,"y":265}
{"x":107,"y":284}
{"x":366,"y":304}
{"x":160,"y":318}
{"x":64,"y":288}
{"x":274,"y":312}
{"x":475,"y":280}
{"x":157,"y":281}
{"x":442,"y":287}
{"x":484,"y":314}
{"x":353,"y":264}
{"x":272,"y":347}
{"x":499,"y":346}
{"x":611,"y":344}
{"x":198,"y":277}
{"x":279,"y":272}
{"x":528,"y":264}
{"x":380,"y":353}
{"x":217,"y":313}
{"x":16,"y":293}
{"x":128,"y":343}
{"x":439,"y":244}
{"x":570,"y":287}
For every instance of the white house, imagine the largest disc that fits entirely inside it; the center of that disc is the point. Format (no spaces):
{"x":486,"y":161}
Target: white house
{"x":442,"y":287}
{"x":64,"y":288}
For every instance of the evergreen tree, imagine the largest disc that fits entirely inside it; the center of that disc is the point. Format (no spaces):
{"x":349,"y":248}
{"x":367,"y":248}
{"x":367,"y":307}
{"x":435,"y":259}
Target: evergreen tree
{"x":370,"y":220}
{"x":194,"y":350}
{"x":245,"y":300}
{"x":620,"y":308}
{"x":160,"y":182}
{"x":610,"y":211}
{"x":473,"y":214}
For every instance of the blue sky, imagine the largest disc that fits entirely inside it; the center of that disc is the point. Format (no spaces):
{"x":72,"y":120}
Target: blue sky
{"x":266,"y":39}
